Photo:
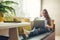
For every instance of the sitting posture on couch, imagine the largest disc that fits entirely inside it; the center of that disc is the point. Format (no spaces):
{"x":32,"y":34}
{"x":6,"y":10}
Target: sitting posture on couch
{"x":36,"y":30}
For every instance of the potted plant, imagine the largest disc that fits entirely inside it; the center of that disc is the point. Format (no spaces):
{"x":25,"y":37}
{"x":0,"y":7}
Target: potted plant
{"x":5,"y":8}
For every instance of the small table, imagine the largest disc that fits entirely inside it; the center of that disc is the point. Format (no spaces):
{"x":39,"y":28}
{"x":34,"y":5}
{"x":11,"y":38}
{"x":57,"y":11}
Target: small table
{"x":13,"y":29}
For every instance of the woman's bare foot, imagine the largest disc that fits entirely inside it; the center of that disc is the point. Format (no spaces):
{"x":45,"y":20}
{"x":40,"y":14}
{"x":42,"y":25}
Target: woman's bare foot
{"x":26,"y":32}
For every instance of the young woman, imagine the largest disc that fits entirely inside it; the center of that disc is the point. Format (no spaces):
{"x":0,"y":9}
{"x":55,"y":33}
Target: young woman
{"x":36,"y":31}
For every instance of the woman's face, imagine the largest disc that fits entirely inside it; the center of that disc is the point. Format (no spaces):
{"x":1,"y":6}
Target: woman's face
{"x":43,"y":13}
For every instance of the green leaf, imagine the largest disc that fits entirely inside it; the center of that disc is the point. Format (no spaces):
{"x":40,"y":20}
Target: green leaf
{"x":2,"y":9}
{"x":8,"y":2}
{"x":5,"y":8}
{"x":10,"y":9}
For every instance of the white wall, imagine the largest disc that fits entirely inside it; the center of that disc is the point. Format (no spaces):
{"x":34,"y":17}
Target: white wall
{"x":53,"y":7}
{"x":31,"y":8}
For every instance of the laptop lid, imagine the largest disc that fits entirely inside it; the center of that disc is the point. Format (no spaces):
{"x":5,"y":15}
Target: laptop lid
{"x":39,"y":23}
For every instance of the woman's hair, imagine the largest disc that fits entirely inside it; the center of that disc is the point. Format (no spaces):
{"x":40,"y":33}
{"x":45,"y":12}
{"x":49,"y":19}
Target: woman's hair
{"x":46,"y":13}
{"x":47,"y":17}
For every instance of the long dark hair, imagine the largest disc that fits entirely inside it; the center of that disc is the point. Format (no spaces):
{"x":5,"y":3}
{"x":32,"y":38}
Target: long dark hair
{"x":46,"y":13}
{"x":47,"y":17}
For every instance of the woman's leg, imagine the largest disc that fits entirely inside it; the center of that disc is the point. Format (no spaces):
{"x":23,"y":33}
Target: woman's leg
{"x":38,"y":32}
{"x":26,"y":32}
{"x":35,"y":32}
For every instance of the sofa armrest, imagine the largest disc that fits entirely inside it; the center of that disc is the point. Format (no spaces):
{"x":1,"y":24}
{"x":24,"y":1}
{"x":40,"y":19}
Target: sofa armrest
{"x":51,"y":36}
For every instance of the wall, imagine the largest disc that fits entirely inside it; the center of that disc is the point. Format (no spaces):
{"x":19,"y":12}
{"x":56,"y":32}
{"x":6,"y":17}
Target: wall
{"x":53,"y":7}
{"x":31,"y":7}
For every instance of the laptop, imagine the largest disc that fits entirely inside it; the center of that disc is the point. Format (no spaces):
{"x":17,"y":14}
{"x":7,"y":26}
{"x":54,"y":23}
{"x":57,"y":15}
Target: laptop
{"x":39,"y":23}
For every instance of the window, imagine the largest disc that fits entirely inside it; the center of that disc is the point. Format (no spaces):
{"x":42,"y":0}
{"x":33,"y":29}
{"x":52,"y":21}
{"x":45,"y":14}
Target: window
{"x":28,"y":8}
{"x":31,"y":8}
{"x":18,"y":8}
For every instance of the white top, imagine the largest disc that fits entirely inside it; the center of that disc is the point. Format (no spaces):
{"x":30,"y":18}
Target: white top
{"x":12,"y":25}
{"x":41,"y":18}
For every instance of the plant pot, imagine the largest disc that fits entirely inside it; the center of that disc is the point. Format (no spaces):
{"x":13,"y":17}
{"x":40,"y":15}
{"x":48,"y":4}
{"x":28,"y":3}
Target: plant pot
{"x":1,"y":17}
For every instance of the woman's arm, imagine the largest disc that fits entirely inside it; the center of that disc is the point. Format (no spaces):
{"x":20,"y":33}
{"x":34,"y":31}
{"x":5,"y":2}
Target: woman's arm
{"x":52,"y":24}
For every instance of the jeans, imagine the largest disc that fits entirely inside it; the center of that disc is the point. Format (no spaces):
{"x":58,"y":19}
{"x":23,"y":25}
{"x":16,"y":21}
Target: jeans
{"x":38,"y":31}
